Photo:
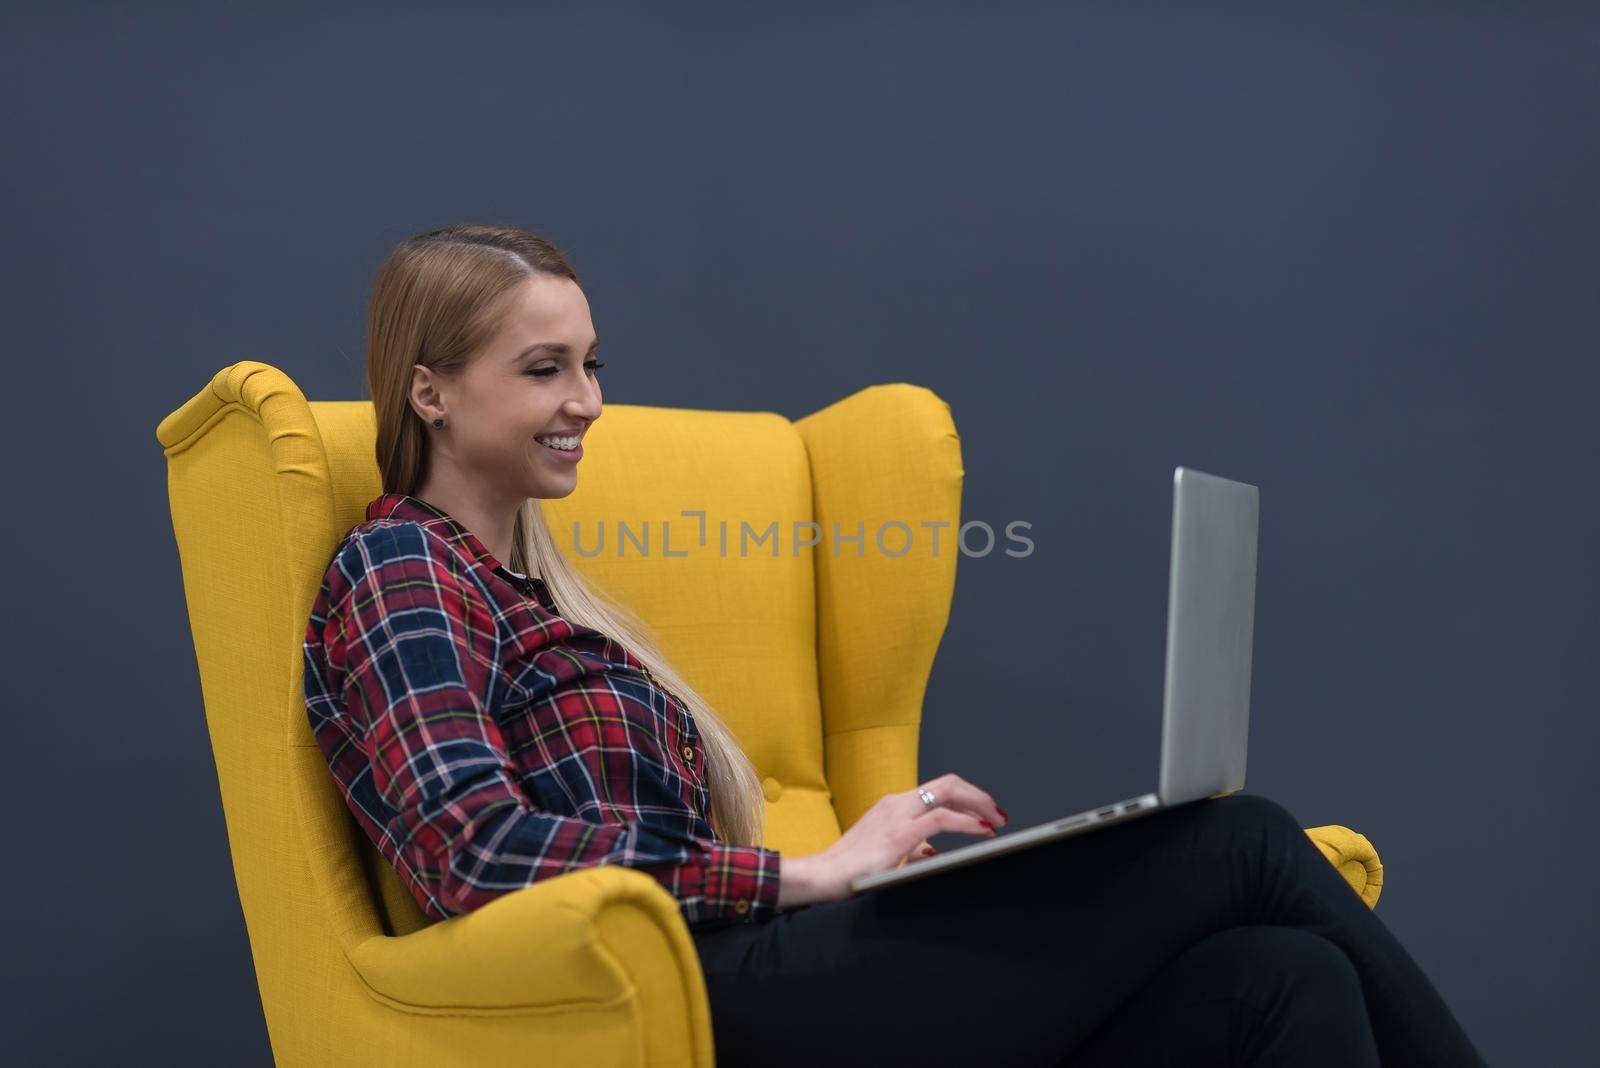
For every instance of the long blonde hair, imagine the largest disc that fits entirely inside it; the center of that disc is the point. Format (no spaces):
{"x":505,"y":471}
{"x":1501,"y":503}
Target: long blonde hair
{"x":431,"y":304}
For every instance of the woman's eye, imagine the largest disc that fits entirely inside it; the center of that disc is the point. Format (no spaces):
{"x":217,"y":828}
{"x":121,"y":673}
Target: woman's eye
{"x":546,"y":372}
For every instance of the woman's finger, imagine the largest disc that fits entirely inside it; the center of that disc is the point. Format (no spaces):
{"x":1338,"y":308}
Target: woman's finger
{"x":954,"y":792}
{"x":921,"y":851}
{"x":942,"y":818}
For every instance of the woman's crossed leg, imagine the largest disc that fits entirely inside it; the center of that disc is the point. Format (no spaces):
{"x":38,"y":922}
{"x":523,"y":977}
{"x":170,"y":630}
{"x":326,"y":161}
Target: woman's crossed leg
{"x":1027,"y":958}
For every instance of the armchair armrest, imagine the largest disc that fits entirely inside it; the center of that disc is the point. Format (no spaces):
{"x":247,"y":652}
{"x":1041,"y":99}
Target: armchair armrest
{"x":607,"y":939}
{"x":1353,"y":857}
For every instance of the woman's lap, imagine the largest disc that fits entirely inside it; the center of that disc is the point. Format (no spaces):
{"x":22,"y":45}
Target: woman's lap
{"x":1023,"y":954}
{"x":1018,"y":959}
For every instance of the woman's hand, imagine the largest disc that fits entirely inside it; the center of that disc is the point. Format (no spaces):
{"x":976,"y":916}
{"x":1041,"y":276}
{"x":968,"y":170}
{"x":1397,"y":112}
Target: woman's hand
{"x":893,"y":832}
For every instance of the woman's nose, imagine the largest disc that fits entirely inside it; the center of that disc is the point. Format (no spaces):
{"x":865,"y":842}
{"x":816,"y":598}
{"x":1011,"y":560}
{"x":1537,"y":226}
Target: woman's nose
{"x":586,"y":405}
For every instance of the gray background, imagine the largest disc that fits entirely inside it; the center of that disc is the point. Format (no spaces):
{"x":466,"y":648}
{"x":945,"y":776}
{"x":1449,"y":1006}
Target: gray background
{"x":1348,"y":258}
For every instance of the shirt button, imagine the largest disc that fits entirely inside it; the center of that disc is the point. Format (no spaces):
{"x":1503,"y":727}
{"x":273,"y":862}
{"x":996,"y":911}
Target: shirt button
{"x":688,"y":752}
{"x":741,"y":907}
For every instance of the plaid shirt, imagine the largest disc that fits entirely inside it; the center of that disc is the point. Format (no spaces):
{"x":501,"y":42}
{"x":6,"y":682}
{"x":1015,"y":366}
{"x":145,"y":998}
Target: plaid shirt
{"x":484,"y":743}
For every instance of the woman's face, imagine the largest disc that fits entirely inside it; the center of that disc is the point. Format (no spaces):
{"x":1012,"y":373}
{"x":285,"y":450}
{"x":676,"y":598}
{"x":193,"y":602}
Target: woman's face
{"x":535,"y":380}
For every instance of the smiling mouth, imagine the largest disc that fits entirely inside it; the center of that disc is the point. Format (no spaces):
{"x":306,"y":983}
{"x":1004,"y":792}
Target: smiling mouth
{"x":569,"y":453}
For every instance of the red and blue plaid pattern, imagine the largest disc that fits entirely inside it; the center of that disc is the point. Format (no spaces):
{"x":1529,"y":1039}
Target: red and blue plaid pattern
{"x":484,"y":743}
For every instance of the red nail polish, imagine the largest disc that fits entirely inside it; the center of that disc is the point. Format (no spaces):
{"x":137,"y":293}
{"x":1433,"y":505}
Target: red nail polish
{"x":987,"y":825}
{"x":1003,"y":813}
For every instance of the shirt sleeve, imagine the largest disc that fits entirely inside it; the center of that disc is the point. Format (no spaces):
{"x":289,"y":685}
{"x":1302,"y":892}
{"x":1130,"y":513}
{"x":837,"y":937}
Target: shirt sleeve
{"x":420,"y":672}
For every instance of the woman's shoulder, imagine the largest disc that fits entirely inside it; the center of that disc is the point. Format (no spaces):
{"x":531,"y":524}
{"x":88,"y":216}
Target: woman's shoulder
{"x":389,"y":538}
{"x":375,"y":549}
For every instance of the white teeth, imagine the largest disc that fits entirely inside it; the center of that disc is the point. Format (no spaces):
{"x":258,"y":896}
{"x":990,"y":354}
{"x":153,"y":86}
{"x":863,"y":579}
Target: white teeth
{"x":566,"y":444}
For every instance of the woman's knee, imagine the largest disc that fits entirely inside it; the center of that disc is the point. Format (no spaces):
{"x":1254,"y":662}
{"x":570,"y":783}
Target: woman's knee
{"x":1303,"y":991}
{"x":1264,"y":965}
{"x":1251,"y":994}
{"x":1252,"y":811}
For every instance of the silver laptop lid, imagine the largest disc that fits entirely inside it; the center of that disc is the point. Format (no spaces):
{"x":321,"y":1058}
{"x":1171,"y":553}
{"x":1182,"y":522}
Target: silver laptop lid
{"x":1211,"y":598}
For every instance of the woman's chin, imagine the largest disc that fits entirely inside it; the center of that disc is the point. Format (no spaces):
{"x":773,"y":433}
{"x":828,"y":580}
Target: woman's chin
{"x":550,"y":489}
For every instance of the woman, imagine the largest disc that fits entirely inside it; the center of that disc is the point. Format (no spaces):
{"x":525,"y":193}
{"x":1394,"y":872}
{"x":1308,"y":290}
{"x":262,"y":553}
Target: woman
{"x":491,"y":721}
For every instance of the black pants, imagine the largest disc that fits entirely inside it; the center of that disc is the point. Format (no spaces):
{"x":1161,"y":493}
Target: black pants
{"x":1213,"y":933}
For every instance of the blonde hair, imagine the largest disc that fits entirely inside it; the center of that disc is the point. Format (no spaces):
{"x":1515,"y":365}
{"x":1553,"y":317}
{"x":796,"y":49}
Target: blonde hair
{"x":434,"y":303}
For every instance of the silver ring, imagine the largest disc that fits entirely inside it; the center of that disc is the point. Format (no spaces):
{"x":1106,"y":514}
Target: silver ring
{"x":927,"y":797}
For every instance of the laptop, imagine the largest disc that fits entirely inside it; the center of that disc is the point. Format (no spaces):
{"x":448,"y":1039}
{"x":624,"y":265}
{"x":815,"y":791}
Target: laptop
{"x":1205,"y":719}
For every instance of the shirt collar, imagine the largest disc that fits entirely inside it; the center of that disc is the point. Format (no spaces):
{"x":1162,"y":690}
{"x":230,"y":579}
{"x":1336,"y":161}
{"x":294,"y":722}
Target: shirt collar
{"x":405,"y":506}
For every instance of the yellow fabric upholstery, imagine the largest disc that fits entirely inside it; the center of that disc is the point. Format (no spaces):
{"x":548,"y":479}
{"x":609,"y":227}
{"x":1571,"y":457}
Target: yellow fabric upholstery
{"x":819,"y":661}
{"x":1355,"y":858}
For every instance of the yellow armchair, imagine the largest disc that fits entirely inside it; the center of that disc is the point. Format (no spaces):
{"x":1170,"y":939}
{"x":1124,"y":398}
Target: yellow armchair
{"x":818,"y":659}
